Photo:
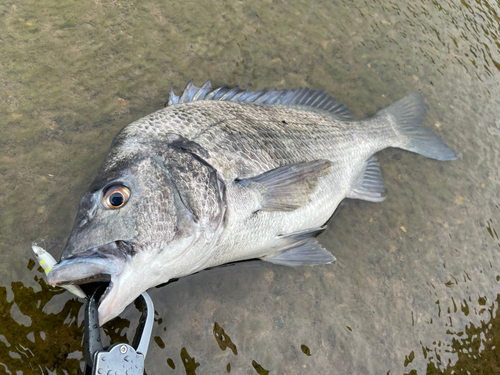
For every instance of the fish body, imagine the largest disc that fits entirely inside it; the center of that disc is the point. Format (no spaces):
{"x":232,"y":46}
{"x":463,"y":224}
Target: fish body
{"x":225,"y":175}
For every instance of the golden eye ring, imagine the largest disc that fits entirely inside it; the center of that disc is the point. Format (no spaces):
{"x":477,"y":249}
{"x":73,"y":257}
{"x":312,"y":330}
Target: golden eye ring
{"x":116,"y":196}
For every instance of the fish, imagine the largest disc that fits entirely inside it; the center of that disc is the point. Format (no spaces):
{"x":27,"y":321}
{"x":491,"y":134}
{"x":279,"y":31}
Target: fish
{"x":227,"y":174}
{"x":47,"y":261}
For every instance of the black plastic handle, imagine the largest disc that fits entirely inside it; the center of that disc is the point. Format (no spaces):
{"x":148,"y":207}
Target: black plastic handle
{"x":92,"y":332}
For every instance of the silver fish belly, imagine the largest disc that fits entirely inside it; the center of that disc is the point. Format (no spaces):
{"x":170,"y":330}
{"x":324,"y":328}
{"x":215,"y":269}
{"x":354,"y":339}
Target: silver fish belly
{"x":222,"y":175}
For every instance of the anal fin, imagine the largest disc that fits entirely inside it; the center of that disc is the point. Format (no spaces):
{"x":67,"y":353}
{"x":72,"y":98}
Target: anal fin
{"x":289,"y":187}
{"x":370,"y":185}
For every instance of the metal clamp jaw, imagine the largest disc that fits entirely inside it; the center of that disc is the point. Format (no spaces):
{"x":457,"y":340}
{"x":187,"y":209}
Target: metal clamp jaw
{"x":119,"y":358}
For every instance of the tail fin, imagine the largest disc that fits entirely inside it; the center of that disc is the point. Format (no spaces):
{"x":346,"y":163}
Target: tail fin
{"x":408,"y":113}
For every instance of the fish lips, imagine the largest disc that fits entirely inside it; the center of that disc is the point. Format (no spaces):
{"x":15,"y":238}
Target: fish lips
{"x":96,"y":264}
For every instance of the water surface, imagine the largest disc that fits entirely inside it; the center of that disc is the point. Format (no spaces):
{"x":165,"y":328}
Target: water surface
{"x":415,"y":289}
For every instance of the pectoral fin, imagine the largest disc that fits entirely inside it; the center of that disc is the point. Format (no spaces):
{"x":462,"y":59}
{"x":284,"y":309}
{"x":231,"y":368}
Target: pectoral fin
{"x":289,"y":187}
{"x":303,"y":250}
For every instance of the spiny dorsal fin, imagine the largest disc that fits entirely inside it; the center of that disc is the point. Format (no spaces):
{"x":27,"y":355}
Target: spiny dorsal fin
{"x":302,"y":97}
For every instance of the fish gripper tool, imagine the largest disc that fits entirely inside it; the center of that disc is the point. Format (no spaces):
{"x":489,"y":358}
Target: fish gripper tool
{"x":120,"y":358}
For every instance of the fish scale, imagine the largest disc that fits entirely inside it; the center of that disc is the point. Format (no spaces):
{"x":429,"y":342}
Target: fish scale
{"x":278,"y":144}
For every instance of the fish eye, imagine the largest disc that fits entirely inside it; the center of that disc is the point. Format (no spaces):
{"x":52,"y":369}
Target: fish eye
{"x":116,"y":196}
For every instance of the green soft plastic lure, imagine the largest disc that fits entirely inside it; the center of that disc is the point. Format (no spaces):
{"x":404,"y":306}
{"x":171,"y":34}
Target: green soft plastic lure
{"x":47,"y":261}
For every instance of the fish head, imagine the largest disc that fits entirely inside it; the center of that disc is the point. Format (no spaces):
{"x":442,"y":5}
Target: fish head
{"x":132,"y":228}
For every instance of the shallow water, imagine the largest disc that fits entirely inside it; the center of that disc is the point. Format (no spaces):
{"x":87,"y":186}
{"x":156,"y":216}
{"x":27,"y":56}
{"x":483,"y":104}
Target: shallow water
{"x":415,"y":289}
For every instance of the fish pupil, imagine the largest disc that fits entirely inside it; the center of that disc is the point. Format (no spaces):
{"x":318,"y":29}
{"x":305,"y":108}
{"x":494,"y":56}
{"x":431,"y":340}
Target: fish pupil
{"x":116,"y":199}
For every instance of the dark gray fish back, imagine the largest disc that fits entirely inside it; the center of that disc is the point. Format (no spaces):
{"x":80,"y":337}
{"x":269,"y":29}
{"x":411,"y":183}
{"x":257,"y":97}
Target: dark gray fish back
{"x":253,"y":139}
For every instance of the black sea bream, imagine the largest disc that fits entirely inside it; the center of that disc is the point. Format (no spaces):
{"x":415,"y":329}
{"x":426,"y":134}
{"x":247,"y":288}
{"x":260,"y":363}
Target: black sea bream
{"x":222,"y":175}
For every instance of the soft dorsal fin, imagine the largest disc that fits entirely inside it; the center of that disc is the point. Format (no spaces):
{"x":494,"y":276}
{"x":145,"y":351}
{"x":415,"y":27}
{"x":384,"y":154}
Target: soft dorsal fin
{"x":302,"y":97}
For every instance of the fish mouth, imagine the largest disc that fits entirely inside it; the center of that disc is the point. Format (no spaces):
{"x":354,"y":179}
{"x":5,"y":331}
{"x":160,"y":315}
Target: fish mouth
{"x":98,"y":264}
